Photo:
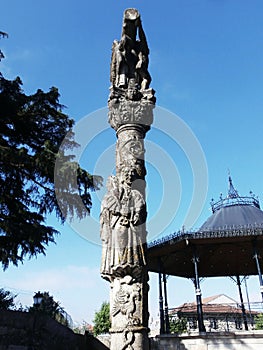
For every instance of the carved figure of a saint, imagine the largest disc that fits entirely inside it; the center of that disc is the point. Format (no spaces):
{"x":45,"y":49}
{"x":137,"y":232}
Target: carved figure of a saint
{"x":109,"y":208}
{"x":123,"y":236}
{"x":128,"y":232}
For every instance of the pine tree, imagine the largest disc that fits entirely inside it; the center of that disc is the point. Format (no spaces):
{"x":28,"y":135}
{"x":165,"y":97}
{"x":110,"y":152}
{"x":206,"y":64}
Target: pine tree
{"x":2,"y":35}
{"x":32,"y":128}
{"x":6,"y":300}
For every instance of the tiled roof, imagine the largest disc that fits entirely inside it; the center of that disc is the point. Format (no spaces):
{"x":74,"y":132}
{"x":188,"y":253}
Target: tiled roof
{"x":190,"y":308}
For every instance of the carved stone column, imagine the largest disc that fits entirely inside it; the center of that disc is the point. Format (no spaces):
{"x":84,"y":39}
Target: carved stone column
{"x":123,"y":212}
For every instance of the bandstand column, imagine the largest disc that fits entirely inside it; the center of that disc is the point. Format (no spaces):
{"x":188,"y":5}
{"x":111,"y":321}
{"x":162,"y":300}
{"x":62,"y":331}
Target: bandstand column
{"x":256,"y":257}
{"x":198,"y":294}
{"x":166,"y":310}
{"x":242,"y":303}
{"x":161,"y":310}
{"x":123,"y":209}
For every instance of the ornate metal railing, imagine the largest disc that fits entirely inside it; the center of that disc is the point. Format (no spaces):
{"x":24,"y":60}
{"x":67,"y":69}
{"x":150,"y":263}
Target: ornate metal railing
{"x":226,"y":231}
{"x":229,"y":201}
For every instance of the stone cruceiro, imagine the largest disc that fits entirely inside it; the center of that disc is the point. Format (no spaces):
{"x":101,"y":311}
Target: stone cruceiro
{"x":123,"y":210}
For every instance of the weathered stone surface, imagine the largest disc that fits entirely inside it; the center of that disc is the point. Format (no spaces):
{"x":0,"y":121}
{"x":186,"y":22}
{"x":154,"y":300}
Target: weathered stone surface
{"x":123,"y":209}
{"x":123,"y":111}
{"x":130,"y":56}
{"x":123,"y":233}
{"x":129,"y":312}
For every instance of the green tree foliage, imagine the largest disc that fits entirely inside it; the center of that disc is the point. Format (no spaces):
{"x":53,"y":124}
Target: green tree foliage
{"x":178,"y":325}
{"x":2,"y":35}
{"x":259,"y":322}
{"x":6,"y":300}
{"x":32,"y":128}
{"x":48,"y":306}
{"x":102,"y":319}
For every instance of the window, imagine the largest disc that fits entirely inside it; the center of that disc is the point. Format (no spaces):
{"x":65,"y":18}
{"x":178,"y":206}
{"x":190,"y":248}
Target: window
{"x":213,"y":323}
{"x":238,"y":323}
{"x":192,"y":322}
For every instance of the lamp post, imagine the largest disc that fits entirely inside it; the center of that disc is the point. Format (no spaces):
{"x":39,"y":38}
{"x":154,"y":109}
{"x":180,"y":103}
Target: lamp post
{"x":37,"y":299}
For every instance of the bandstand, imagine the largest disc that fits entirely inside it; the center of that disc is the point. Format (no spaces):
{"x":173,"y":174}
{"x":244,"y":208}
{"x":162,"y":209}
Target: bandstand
{"x":228,"y":244}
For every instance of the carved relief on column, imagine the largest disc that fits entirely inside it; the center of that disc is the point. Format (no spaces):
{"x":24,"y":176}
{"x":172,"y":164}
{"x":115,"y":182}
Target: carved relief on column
{"x":130,"y":151}
{"x":128,"y":316}
{"x":126,"y":307}
{"x":123,"y":111}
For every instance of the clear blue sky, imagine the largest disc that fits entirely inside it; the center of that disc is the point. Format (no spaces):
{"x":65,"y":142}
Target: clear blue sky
{"x":206,"y":66}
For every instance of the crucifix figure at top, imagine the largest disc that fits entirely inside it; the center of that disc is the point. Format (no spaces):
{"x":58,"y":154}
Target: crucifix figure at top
{"x":129,"y":63}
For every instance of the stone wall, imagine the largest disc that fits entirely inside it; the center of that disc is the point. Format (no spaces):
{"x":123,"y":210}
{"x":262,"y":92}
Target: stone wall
{"x":25,"y":331}
{"x":210,"y":341}
{"x":32,"y":331}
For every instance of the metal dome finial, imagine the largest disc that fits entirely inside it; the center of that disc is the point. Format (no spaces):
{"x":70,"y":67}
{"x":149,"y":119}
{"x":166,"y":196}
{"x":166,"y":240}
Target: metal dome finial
{"x":233,"y":198}
{"x":232,"y":192}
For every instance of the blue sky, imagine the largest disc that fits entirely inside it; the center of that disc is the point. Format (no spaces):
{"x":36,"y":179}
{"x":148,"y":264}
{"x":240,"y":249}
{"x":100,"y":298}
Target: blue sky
{"x":206,"y":66}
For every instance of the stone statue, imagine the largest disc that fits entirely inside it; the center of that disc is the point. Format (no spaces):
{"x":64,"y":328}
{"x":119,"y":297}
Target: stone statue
{"x":130,"y":236}
{"x":110,"y":208}
{"x":123,"y":215}
{"x":129,"y":61}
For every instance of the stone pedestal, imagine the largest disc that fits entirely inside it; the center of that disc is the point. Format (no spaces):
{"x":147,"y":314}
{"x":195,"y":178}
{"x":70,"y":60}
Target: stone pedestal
{"x":129,"y":313}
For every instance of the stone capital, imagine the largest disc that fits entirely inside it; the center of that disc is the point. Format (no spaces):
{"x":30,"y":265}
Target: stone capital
{"x":133,"y":113}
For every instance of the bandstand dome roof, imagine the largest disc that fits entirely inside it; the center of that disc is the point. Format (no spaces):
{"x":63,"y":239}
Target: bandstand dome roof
{"x":228,"y":217}
{"x":234,"y":212}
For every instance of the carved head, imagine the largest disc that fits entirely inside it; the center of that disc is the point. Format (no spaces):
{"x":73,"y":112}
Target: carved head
{"x":133,"y":92}
{"x":112,"y":184}
{"x":131,"y":20}
{"x":127,"y":175}
{"x":131,"y":14}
